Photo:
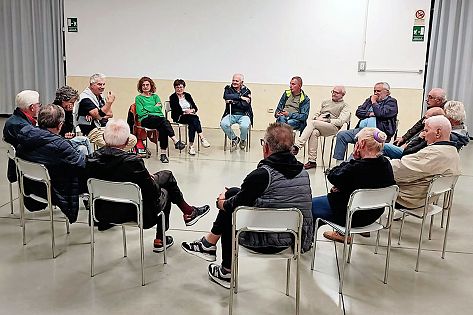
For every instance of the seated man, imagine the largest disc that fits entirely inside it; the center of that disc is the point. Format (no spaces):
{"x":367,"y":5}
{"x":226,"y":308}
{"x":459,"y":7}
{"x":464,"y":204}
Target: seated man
{"x":278,"y":182}
{"x":158,"y":190}
{"x":294,"y":105}
{"x":94,"y":111}
{"x":25,"y":114}
{"x":62,"y":159}
{"x":437,"y":97}
{"x":379,"y":110}
{"x":66,"y":97}
{"x":328,"y":121}
{"x":237,"y":111}
{"x":414,"y":172}
{"x":396,"y":152}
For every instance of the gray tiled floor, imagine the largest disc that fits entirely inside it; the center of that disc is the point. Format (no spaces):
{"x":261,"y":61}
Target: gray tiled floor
{"x":33,"y":283}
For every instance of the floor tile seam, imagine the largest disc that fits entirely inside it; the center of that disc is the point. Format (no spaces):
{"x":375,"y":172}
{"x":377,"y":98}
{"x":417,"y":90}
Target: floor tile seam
{"x":413,"y":248}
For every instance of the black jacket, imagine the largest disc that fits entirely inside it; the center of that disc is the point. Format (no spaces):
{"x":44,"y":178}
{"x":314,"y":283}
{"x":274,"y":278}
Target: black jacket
{"x":113,"y":164}
{"x":238,"y":105}
{"x":176,"y":109}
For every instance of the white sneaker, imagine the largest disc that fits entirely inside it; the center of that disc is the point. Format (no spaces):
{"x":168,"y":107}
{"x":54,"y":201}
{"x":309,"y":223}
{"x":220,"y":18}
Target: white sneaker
{"x":205,"y":143}
{"x":191,"y":150}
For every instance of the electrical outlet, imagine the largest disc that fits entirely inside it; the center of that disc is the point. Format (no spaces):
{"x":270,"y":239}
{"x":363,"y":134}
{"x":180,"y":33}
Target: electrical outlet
{"x":361,"y":66}
{"x":270,"y":110}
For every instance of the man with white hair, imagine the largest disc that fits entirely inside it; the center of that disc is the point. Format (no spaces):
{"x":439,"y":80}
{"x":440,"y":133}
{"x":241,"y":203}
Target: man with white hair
{"x":95,"y":110}
{"x":379,"y":110}
{"x":25,"y":113}
{"x":237,"y":111}
{"x":327,"y":121}
{"x":414,"y":172}
{"x":437,"y":97}
{"x":158,"y":190}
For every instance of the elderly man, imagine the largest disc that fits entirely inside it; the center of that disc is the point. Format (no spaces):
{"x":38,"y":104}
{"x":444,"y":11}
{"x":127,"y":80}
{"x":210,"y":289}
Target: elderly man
{"x":25,"y":113}
{"x":437,"y":97}
{"x":379,"y":110}
{"x":294,"y":105}
{"x":94,"y":111}
{"x":414,"y":172}
{"x":279,"y":181}
{"x":328,"y":121}
{"x":159,"y":190}
{"x":62,"y":159}
{"x":237,"y":111}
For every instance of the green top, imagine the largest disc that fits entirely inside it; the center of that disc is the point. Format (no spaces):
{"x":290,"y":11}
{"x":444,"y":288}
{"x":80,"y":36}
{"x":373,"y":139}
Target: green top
{"x":146,"y":105}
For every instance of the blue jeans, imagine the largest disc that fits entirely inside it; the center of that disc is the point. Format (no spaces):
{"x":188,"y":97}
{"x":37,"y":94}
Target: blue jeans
{"x":83,"y":144}
{"x":392,"y":151}
{"x":294,"y":123}
{"x":344,"y":137}
{"x":242,"y":120}
{"x":321,"y":208}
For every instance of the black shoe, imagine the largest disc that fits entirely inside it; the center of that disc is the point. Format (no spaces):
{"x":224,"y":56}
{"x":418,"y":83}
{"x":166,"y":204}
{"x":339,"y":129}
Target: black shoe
{"x":295,"y":150}
{"x":158,"y":244}
{"x":198,"y":213}
{"x":179,"y":145}
{"x":234,"y":144}
{"x":103,"y":226}
{"x":164,"y":158}
{"x":310,"y":165}
{"x":198,"y":249}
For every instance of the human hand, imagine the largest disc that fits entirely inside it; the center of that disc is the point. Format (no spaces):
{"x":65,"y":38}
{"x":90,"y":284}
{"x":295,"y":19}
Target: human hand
{"x":110,"y":97}
{"x":285,"y":113}
{"x":69,"y":135}
{"x":371,"y":114}
{"x":374,"y":99}
{"x":334,"y":189}
{"x":88,"y":117}
{"x":398,"y":141}
{"x":245,"y":98}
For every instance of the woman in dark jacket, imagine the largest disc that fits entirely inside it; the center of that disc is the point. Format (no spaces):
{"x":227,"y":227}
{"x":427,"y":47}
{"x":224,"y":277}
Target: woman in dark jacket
{"x":183,"y":110}
{"x":368,"y":169}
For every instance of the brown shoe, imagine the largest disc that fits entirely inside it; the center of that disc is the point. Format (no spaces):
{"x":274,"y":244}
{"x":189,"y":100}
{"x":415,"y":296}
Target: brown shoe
{"x":310,"y":165}
{"x":336,"y":237}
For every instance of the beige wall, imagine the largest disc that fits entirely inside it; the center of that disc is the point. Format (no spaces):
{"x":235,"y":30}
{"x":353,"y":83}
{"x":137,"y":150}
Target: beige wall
{"x":208,"y":97}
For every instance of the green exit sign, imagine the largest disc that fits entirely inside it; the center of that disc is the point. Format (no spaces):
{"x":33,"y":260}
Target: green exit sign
{"x":418,"y":33}
{"x":72,"y":25}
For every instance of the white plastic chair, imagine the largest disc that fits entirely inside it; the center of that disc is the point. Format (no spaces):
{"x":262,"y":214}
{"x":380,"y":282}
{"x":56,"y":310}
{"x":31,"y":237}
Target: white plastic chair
{"x":119,"y":192}
{"x":38,"y":173}
{"x":439,"y":185}
{"x":167,"y":109}
{"x":248,"y":136}
{"x":11,"y":154}
{"x":264,"y":220}
{"x":75,"y":113}
{"x":364,"y":200}
{"x":348,"y":122}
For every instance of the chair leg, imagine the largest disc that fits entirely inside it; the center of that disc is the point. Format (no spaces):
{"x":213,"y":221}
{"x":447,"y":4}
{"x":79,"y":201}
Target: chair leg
{"x":315,"y":243}
{"x":53,"y":243}
{"x":331,"y":152}
{"x":419,"y":248}
{"x":388,"y":253}
{"x":443,"y":218}
{"x":288,"y":275}
{"x":11,"y":197}
{"x":400,"y":229}
{"x":124,"y":242}
{"x":298,"y":284}
{"x":344,"y":261}
{"x":92,"y":247}
{"x":349,"y":248}
{"x":323,"y":153}
{"x":163,"y":225}
{"x":142,"y":248}
{"x":22,"y":219}
{"x":430,"y":227}
{"x":377,"y":239}
{"x":446,"y":231}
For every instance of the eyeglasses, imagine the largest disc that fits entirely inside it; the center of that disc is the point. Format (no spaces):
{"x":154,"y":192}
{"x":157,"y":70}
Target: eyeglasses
{"x":262,"y":141}
{"x":336,"y":92}
{"x":430,"y":97}
{"x":377,"y":91}
{"x":179,"y":87}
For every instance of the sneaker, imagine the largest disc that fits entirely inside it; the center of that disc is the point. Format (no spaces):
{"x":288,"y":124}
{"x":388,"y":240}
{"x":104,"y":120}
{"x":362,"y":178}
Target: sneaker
{"x":198,"y":213}
{"x":310,"y":165}
{"x":234,"y":143}
{"x":205,"y":143}
{"x":336,"y":237}
{"x":295,"y":150}
{"x":242,"y":144}
{"x":218,"y":275}
{"x":164,"y":158}
{"x":179,"y":145}
{"x":192,"y":150}
{"x":158,"y":244}
{"x":198,"y":249}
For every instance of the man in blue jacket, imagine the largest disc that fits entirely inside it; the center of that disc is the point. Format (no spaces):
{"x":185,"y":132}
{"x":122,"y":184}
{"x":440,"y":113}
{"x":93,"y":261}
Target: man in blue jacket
{"x":294,"y":105}
{"x":379,"y":110}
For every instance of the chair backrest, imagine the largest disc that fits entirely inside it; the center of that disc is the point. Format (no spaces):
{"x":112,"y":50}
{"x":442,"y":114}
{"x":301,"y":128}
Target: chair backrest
{"x":33,"y":171}
{"x":368,"y":199}
{"x":441,"y":184}
{"x":123,"y":192}
{"x":268,"y":219}
{"x":167,"y":108}
{"x":11,"y":152}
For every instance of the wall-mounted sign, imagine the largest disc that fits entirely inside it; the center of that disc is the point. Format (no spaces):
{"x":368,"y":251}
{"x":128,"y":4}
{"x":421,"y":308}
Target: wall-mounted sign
{"x":418,"y":33}
{"x":72,"y":25}
{"x":420,"y":14}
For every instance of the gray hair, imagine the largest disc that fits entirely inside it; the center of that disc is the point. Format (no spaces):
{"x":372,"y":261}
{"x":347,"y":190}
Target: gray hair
{"x":116,"y":132}
{"x":342,"y":88}
{"x":65,"y":93}
{"x":26,"y":98}
{"x":242,"y":77}
{"x":279,"y":137}
{"x":50,"y":116}
{"x":439,"y":122}
{"x":94,"y":77}
{"x":385,"y":85}
{"x":455,"y":110}
{"x":441,"y":94}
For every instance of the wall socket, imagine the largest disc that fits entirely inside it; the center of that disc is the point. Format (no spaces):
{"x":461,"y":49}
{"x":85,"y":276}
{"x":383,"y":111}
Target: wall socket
{"x":270,"y":110}
{"x":361,"y":66}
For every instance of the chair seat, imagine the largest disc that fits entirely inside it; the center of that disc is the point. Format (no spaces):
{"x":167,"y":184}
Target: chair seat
{"x":431,"y":210}
{"x":373,"y":227}
{"x":246,"y":252}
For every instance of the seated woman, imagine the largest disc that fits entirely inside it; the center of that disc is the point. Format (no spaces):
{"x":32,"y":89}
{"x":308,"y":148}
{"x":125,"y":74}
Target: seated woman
{"x":368,"y":169}
{"x":183,"y":110}
{"x":151,"y":115}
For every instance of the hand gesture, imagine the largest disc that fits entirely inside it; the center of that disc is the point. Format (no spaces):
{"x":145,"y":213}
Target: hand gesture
{"x":110,"y":97}
{"x":374,"y":99}
{"x":69,"y":135}
{"x":245,"y":98}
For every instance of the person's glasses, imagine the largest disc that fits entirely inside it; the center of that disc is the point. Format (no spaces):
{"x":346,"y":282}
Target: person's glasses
{"x":336,"y":92}
{"x":262,"y":141}
{"x":377,"y":91}
{"x":430,"y":97}
{"x":179,"y":87}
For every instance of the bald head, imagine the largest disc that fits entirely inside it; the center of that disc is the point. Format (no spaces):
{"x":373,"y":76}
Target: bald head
{"x":436,"y":98}
{"x":434,"y":111}
{"x":437,"y":128}
{"x":338,"y":92}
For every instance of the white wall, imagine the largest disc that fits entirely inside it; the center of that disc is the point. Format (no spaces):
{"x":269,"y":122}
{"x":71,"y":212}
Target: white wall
{"x":267,"y":40}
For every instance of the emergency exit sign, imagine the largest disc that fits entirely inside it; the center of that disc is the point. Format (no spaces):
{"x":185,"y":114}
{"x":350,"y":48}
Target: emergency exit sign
{"x":418,"y":33}
{"x":72,"y":25}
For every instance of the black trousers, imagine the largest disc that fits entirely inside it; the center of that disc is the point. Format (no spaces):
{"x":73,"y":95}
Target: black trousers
{"x":193,"y":123}
{"x":162,"y":125}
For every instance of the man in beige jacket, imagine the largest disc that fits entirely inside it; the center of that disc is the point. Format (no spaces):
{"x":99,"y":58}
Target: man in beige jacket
{"x":414,"y":172}
{"x":328,"y":121}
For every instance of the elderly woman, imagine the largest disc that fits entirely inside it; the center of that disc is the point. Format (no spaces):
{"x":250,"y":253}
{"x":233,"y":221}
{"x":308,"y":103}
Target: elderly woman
{"x":368,"y":169}
{"x":183,"y":110}
{"x":151,"y":115}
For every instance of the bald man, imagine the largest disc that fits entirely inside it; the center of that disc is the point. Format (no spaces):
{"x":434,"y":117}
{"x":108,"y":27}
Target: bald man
{"x":414,"y":172}
{"x":326,"y":122}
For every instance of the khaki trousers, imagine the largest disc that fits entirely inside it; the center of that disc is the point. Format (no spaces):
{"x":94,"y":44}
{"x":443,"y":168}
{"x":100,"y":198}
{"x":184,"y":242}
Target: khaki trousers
{"x":312,"y":132}
{"x":96,"y":137}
